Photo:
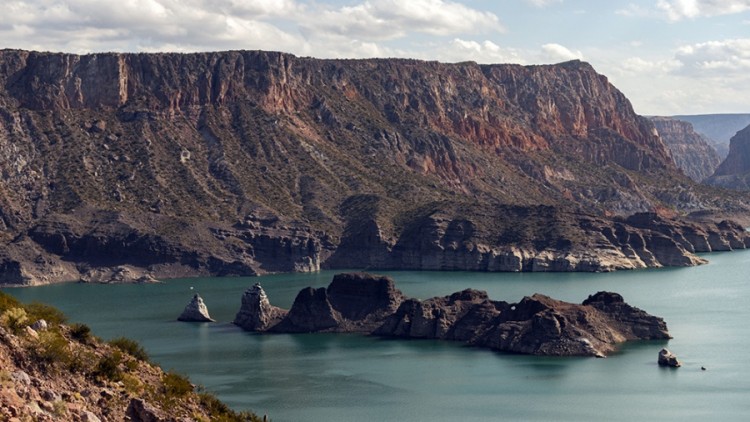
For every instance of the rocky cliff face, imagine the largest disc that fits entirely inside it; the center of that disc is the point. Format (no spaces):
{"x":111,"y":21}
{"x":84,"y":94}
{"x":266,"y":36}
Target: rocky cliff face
{"x":537,"y":325}
{"x":119,"y":166}
{"x":734,"y":171}
{"x":691,"y":151}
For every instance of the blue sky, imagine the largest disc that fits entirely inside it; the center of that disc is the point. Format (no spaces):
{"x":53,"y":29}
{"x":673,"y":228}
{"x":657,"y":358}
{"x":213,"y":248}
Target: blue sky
{"x":668,"y":56}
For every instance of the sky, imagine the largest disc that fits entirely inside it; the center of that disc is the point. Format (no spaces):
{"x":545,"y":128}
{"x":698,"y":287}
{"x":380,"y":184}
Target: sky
{"x":668,"y":56}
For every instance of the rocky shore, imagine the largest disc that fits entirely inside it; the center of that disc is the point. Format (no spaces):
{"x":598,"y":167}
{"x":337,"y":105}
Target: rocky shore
{"x":537,"y":325}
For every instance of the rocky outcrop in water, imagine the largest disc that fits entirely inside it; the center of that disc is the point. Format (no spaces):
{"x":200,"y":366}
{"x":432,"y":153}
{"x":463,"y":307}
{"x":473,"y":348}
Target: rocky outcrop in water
{"x":256,"y":312}
{"x":691,"y":151}
{"x":195,"y":311}
{"x":537,"y":325}
{"x":250,"y":162}
{"x":667,"y":358}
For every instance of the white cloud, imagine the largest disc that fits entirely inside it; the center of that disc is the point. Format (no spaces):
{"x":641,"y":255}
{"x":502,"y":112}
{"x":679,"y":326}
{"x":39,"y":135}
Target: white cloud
{"x":639,"y":65}
{"x":681,"y":9}
{"x":297,"y":26}
{"x":677,"y":10}
{"x":557,"y":53}
{"x":390,"y":19}
{"x":725,"y":58}
{"x":543,"y":3}
{"x":459,"y":50}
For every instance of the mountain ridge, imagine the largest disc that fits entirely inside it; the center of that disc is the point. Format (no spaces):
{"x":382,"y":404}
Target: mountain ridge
{"x":245,"y":162}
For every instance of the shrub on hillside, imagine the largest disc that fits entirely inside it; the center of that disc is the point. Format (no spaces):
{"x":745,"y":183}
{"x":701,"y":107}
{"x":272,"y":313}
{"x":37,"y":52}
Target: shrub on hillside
{"x":52,"y":315}
{"x":131,"y":347}
{"x":15,"y":319}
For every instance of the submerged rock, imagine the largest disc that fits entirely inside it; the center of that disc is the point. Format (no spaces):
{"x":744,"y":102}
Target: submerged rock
{"x":538,"y":325}
{"x":195,"y":311}
{"x":667,"y":358}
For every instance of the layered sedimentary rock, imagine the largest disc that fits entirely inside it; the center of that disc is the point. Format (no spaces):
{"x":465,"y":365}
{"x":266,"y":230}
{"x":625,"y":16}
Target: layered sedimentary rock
{"x":249,"y":162}
{"x":195,"y":311}
{"x":537,"y":325}
{"x":734,"y":171}
{"x":691,"y":151}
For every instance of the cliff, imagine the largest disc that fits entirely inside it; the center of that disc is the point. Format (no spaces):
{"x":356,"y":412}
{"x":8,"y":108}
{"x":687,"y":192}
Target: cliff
{"x":118,"y":166}
{"x":734,"y":171}
{"x":538,"y":325}
{"x":691,"y":151}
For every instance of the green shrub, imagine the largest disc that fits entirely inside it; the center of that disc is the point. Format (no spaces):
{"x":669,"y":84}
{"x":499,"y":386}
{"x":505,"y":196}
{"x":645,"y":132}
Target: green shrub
{"x":52,"y":349}
{"x":80,"y":333}
{"x":15,"y":319}
{"x":52,"y":315}
{"x":130,"y":347}
{"x":220,"y":412}
{"x":109,"y":366}
{"x":82,"y":361}
{"x":132,"y":384}
{"x":7,"y":302}
{"x":60,"y":409}
{"x":176,"y":385}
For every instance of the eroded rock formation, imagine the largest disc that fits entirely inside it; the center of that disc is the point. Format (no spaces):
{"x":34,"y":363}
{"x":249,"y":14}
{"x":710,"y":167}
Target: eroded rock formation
{"x":537,"y":325}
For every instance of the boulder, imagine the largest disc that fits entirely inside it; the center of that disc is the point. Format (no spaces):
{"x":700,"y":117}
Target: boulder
{"x":195,"y":311}
{"x":141,"y":411}
{"x":40,"y":325}
{"x":667,"y":358}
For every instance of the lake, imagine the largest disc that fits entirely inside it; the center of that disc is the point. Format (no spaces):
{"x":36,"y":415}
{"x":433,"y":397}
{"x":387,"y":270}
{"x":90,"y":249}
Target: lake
{"x":324,"y":377}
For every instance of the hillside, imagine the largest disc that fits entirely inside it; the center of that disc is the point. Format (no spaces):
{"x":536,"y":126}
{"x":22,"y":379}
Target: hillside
{"x":50,"y":371}
{"x":116,"y":166}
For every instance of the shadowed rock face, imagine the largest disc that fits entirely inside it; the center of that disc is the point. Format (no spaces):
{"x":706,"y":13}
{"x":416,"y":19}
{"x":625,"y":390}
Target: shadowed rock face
{"x":691,"y":151}
{"x":250,"y":162}
{"x":734,"y":171}
{"x":537,"y":325}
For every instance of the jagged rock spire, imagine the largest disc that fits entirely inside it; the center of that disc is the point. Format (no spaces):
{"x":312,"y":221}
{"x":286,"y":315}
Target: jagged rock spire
{"x":256,"y":312}
{"x":195,"y":311}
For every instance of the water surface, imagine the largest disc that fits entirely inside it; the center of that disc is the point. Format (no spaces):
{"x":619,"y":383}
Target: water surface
{"x":323,"y":377}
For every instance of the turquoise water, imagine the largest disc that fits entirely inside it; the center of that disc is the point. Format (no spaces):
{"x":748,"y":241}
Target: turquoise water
{"x":317,"y":377}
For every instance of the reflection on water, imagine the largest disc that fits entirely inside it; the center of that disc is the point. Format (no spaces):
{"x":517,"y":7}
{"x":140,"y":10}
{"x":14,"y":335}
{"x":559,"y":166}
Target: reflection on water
{"x":317,"y":377}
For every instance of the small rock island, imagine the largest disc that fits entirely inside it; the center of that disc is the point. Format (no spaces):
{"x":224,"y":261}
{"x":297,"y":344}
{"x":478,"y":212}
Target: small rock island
{"x":537,"y":325}
{"x":195,"y":311}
